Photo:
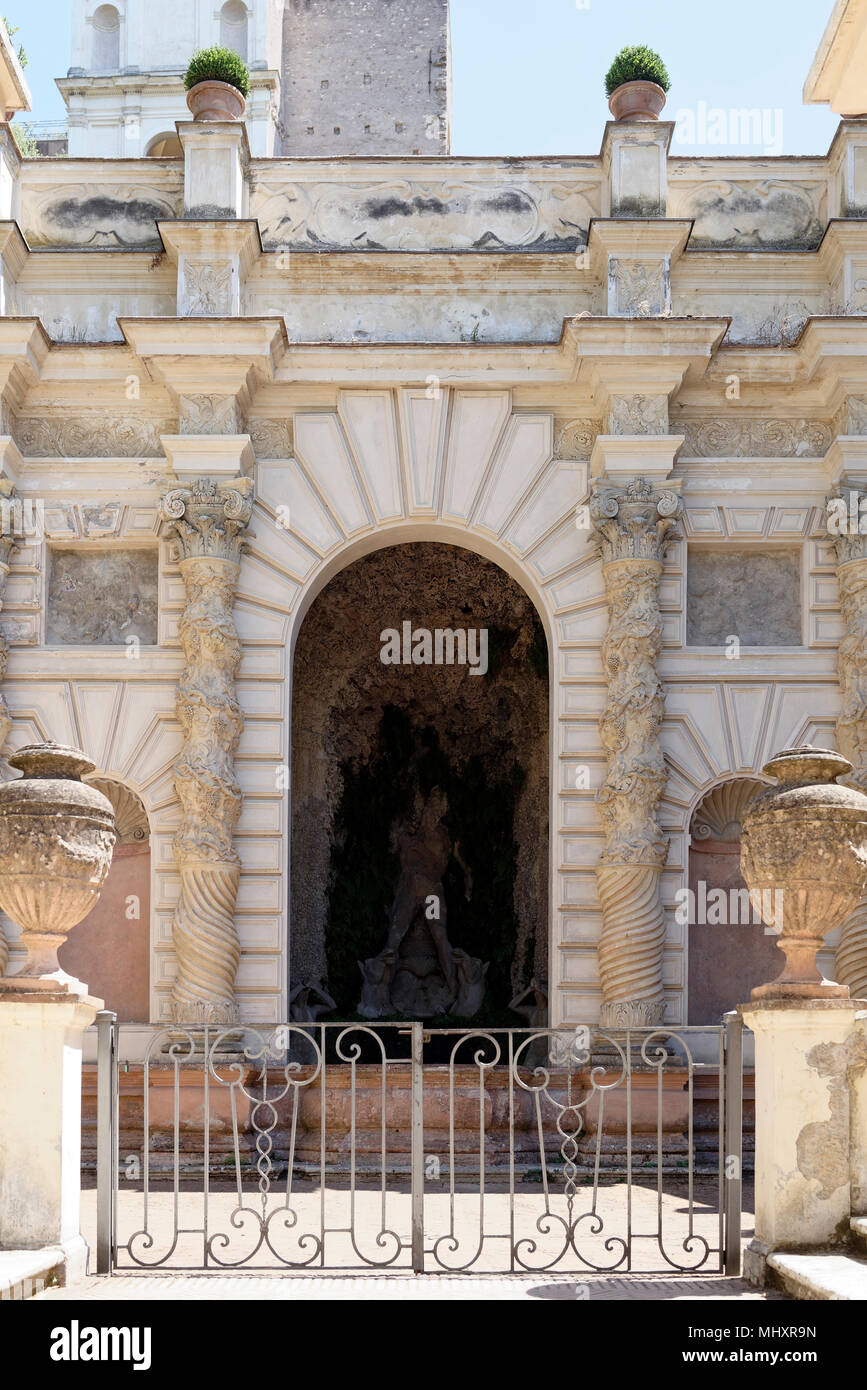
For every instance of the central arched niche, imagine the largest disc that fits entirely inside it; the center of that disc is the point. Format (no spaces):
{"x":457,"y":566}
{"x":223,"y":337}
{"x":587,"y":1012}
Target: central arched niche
{"x":373,"y":744}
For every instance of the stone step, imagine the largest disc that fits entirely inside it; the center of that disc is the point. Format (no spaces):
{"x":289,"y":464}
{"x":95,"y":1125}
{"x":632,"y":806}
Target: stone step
{"x":824,"y":1276}
{"x":25,"y":1273}
{"x":858,"y":1226}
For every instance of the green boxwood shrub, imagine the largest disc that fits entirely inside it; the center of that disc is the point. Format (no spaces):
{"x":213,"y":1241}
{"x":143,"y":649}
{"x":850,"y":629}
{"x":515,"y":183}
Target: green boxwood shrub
{"x":218,"y":65}
{"x":637,"y":64}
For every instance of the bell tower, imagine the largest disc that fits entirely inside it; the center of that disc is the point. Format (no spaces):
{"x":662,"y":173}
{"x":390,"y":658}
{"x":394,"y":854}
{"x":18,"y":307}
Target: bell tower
{"x":366,"y":77}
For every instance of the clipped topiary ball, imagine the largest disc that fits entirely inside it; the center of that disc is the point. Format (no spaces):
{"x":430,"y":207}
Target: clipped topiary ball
{"x":218,"y":65}
{"x":636,"y":64}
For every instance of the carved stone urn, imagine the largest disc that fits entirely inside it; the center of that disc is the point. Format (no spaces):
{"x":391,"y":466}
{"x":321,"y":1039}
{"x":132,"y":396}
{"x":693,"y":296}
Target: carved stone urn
{"x":56,"y":840}
{"x":804,"y":847}
{"x":216,"y":101}
{"x":637,"y":101}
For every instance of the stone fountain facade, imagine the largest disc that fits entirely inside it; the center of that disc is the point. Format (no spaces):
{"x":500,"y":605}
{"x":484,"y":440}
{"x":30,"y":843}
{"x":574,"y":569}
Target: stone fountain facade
{"x":209,"y":420}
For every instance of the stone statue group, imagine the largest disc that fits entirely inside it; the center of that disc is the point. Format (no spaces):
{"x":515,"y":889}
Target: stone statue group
{"x":418,"y":972}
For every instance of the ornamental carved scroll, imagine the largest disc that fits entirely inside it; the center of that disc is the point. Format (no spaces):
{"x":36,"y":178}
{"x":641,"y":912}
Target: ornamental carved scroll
{"x":633,"y":528}
{"x":209,"y":520}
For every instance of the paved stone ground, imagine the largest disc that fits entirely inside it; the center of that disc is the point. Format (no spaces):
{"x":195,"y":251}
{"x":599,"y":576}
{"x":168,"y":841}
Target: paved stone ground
{"x":420,"y":1288}
{"x":353,"y":1280}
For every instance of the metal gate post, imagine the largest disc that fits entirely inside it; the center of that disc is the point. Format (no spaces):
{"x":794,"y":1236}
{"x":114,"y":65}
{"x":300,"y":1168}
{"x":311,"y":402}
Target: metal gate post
{"x":734,"y":1158}
{"x":417,"y":1160}
{"x":105,"y":1122}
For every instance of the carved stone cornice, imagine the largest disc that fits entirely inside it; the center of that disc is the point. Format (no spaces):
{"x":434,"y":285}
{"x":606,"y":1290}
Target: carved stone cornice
{"x":209,"y":518}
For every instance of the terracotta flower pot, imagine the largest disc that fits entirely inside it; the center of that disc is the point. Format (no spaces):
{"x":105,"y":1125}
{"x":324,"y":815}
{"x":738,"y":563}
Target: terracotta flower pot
{"x":216,"y":101}
{"x":636,"y":101}
{"x":56,"y":840}
{"x":806,"y":839}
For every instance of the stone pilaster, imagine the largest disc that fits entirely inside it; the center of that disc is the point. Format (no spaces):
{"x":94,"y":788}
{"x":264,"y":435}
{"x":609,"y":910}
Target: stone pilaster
{"x":843,"y":521}
{"x":633,"y":526}
{"x":209,"y":519}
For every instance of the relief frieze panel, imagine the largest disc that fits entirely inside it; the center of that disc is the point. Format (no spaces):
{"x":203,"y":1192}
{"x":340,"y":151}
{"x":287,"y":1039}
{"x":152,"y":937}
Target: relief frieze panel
{"x":102,"y":597}
{"x":426,"y":214}
{"x":759,"y":438}
{"x":209,"y":414}
{"x":91,"y":435}
{"x":271,"y":439}
{"x":762,"y":212}
{"x":93,"y":214}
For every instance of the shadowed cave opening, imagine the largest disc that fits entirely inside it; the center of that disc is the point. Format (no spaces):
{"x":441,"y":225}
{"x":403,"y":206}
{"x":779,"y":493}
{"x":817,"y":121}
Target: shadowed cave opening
{"x":414,"y":782}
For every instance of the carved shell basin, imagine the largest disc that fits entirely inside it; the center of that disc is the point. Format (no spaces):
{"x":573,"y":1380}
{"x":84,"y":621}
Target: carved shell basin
{"x":56,"y":840}
{"x":807,"y":836}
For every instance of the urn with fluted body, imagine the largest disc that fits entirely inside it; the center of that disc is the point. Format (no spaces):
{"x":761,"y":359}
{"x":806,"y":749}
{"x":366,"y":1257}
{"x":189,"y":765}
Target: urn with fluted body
{"x":56,"y":840}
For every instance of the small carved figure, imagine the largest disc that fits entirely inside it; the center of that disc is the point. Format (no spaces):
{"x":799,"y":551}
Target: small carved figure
{"x":471,"y":984}
{"x":307,"y":1002}
{"x":424,"y":857}
{"x":376,"y":990}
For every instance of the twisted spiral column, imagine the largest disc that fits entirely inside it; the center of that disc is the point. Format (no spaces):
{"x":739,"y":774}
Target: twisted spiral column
{"x":7,"y":545}
{"x":209,"y":520}
{"x":850,"y":962}
{"x":633,"y":527}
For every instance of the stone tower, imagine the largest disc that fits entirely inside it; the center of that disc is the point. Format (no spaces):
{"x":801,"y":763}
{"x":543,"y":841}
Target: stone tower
{"x":328,"y":77}
{"x":366,"y":77}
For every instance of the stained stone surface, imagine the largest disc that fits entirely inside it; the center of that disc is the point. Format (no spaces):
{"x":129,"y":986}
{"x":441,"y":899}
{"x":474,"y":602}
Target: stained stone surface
{"x":749,"y":593}
{"x":102,"y":597}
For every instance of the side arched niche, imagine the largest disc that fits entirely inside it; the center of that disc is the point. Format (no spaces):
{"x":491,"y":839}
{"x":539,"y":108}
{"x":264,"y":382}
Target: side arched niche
{"x":727,"y":955}
{"x":110,"y":949}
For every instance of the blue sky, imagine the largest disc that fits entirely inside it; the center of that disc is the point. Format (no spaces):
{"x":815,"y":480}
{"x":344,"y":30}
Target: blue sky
{"x":527,"y":74}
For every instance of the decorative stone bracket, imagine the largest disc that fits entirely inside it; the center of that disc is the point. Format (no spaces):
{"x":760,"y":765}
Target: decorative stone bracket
{"x":634,"y":260}
{"x":209,"y":520}
{"x":633,"y":525}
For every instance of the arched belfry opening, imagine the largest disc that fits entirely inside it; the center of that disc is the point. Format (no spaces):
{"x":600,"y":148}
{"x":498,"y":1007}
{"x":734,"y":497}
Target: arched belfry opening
{"x":106,"y":39}
{"x":419,"y":855}
{"x":233,"y":27}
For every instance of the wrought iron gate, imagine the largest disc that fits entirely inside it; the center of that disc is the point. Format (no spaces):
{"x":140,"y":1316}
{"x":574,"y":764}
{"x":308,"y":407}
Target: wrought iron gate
{"x":343,"y":1146}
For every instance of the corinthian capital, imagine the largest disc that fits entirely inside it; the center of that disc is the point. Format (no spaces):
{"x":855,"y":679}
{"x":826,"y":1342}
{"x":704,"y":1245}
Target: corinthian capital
{"x":846,"y":524}
{"x":210,"y":517}
{"x":635,"y":522}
